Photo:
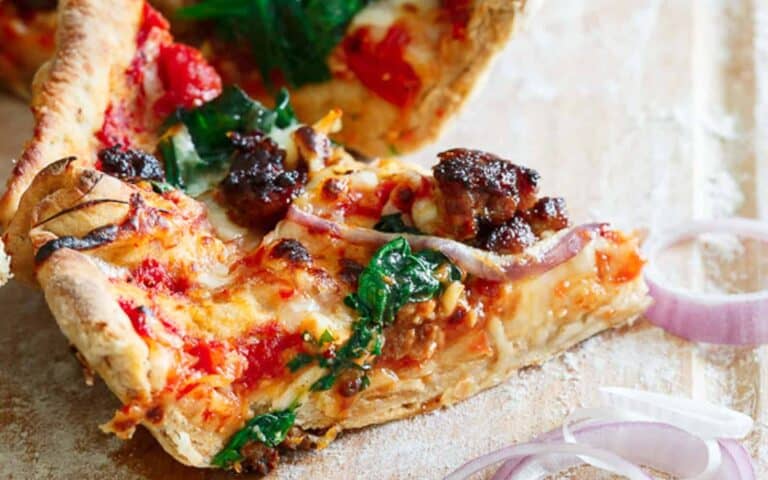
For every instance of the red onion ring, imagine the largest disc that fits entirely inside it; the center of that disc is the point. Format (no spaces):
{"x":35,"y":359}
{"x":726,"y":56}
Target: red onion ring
{"x":526,"y":450}
{"x":685,"y":449}
{"x":478,"y":262}
{"x":738,"y":319}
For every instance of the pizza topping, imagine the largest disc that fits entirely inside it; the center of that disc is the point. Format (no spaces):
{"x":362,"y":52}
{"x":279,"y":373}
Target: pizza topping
{"x":394,"y":224}
{"x":118,"y":123}
{"x":491,"y":203}
{"x":258,"y":187}
{"x":137,"y":315}
{"x":268,"y":429}
{"x":198,"y":148}
{"x":290,"y":41}
{"x":151,"y":19}
{"x":415,"y":333}
{"x":153,"y":276}
{"x":480,"y":263}
{"x":512,"y":236}
{"x":394,"y":277}
{"x":548,"y":214}
{"x":291,"y":250}
{"x":187,"y":78}
{"x":349,"y":271}
{"x":381,"y":66}
{"x":478,"y":186}
{"x":459,"y":12}
{"x":129,"y":163}
{"x":265,"y":352}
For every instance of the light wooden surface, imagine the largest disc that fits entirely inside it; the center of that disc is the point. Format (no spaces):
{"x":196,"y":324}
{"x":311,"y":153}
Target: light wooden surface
{"x":642,"y":112}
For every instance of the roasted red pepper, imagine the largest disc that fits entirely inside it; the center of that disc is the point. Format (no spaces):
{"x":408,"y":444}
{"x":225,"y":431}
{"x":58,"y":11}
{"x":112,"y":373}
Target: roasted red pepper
{"x":381,"y":66}
{"x":187,"y":77}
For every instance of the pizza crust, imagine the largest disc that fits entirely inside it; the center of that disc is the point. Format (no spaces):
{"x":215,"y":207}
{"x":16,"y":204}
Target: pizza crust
{"x":70,"y":93}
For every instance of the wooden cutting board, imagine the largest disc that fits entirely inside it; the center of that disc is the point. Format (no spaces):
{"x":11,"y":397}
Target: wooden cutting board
{"x":642,"y":112}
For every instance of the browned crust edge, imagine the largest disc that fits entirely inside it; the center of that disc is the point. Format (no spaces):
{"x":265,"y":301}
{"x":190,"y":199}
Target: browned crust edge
{"x":70,"y":93}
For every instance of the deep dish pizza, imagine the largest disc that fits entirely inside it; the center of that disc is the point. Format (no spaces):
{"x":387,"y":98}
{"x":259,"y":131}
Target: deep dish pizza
{"x":246,"y":287}
{"x":398,"y":68}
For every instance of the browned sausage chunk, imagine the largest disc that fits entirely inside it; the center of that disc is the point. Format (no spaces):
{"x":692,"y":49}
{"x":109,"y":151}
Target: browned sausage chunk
{"x":480,"y":187}
{"x":258,"y":187}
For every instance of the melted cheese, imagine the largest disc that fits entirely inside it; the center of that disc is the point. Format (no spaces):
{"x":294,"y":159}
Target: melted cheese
{"x":385,"y":12}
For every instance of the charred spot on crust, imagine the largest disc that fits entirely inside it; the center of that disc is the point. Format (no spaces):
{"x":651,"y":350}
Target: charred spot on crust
{"x":155,"y":414}
{"x":92,"y":239}
{"x":292,"y":250}
{"x":549,"y":213}
{"x":491,"y":203}
{"x":130,"y":163}
{"x":258,"y":187}
{"x":512,"y":236}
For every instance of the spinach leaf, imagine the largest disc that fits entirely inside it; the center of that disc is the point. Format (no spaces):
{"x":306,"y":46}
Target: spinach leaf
{"x":268,"y":428}
{"x":394,"y":224}
{"x":395,"y":276}
{"x":197,"y":148}
{"x":289,"y":37}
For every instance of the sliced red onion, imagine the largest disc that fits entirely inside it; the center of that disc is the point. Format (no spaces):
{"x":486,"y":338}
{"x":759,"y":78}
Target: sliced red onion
{"x":739,"y":319}
{"x":700,"y":418}
{"x":684,"y":446}
{"x":618,"y":465}
{"x":478,"y":262}
{"x":737,"y":463}
{"x":656,"y":445}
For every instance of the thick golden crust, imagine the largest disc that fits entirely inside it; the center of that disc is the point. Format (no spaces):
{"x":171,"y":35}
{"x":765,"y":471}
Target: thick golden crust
{"x":95,"y":41}
{"x":78,"y":294}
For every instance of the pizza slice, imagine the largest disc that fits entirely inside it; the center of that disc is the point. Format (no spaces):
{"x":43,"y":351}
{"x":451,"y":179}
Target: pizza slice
{"x":247,"y":288}
{"x":399,"y":69}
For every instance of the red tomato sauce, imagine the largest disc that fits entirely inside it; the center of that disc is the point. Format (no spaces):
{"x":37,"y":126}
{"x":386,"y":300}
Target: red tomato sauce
{"x":267,"y":352}
{"x":150,"y":18}
{"x":137,"y":316}
{"x":209,"y":354}
{"x":117,"y":124}
{"x":381,"y":66}
{"x":187,"y":78}
{"x":153,"y":276}
{"x":369,"y":206}
{"x":459,"y":12}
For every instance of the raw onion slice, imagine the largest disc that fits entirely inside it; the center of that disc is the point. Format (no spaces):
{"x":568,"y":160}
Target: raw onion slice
{"x":483,"y":264}
{"x":522,"y":451}
{"x":669,"y":434}
{"x":738,"y":319}
{"x":700,"y":418}
{"x":655,"y":445}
